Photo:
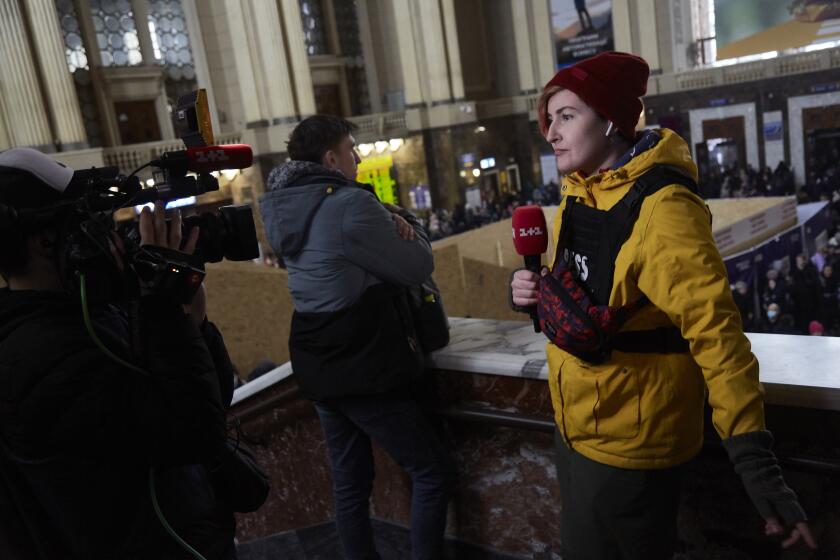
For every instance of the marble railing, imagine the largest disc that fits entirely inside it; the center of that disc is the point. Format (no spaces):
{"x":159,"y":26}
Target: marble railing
{"x":380,"y":126}
{"x":493,"y":405}
{"x":130,"y":157}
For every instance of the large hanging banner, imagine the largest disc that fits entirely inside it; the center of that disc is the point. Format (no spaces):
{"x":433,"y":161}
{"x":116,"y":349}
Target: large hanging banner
{"x":746,"y":27}
{"x":781,"y":251}
{"x":815,"y":219}
{"x":741,"y":267}
{"x":581,"y":28}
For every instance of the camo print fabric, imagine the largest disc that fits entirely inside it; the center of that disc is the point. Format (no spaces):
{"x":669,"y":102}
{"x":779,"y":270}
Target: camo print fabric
{"x":571,"y":321}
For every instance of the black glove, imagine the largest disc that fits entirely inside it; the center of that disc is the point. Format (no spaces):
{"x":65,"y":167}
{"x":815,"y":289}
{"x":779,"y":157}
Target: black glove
{"x":754,"y":460}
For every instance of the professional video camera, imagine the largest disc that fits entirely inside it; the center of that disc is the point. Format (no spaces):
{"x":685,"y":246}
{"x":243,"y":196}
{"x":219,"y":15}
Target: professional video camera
{"x":96,"y":194}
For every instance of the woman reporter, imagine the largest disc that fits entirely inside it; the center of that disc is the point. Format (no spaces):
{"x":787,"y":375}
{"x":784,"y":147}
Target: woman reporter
{"x":638,"y":298}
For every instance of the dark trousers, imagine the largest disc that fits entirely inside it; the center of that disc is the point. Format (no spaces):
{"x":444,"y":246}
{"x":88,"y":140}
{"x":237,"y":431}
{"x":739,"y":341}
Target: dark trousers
{"x":610,"y":513}
{"x":401,"y":429}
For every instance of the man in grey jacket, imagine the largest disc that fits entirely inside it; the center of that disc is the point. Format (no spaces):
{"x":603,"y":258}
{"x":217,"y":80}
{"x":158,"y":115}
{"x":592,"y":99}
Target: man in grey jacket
{"x":352,"y":344}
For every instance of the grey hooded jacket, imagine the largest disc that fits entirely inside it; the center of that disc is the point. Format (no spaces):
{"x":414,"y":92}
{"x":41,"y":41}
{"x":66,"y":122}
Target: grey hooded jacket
{"x":336,"y":238}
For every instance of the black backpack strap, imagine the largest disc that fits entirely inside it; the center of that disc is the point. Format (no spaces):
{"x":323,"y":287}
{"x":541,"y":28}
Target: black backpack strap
{"x":665,"y":340}
{"x":563,"y":236}
{"x":623,"y":215}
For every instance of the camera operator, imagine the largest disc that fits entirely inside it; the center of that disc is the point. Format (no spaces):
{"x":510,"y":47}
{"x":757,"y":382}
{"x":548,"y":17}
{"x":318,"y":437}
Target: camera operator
{"x":353,"y":346}
{"x":90,"y":445}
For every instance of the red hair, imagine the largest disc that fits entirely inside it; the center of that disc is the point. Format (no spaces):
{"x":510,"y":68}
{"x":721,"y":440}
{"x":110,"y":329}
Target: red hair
{"x":542,"y":108}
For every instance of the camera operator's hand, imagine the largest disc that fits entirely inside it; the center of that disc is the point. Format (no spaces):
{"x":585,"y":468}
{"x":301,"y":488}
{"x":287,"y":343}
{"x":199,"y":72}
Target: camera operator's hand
{"x":155,"y":231}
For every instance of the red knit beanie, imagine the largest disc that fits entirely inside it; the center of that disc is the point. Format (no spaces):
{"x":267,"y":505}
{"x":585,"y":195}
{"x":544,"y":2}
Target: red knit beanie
{"x":815,"y":327}
{"x":611,"y":83}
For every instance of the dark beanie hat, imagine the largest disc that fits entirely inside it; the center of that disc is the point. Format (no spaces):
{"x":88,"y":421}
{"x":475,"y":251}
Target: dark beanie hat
{"x":611,"y":83}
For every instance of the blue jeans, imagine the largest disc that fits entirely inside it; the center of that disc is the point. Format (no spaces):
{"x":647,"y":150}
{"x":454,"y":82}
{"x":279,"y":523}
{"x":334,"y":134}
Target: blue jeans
{"x":401,"y":429}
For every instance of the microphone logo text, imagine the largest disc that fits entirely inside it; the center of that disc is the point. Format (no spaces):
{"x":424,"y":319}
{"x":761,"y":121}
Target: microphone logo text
{"x":531,"y":232}
{"x":211,"y":155}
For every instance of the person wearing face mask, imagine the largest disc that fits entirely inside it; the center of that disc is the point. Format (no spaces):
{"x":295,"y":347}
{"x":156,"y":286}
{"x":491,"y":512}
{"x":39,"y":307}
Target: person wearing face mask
{"x":777,"y":322}
{"x":634,"y":250}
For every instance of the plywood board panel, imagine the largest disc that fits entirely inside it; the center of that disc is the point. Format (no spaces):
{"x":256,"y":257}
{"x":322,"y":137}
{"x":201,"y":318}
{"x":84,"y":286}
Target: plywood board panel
{"x":449,"y":277}
{"x":487,"y":288}
{"x":252,"y":307}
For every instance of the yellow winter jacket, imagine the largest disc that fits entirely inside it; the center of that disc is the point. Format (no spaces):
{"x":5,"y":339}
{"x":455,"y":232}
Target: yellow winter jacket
{"x":645,"y":411}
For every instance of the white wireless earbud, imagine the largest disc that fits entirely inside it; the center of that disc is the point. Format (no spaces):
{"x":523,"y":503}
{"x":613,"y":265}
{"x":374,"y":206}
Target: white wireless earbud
{"x":610,"y":129}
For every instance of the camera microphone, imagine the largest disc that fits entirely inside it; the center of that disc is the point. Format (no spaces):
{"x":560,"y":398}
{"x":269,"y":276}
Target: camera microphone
{"x":207,"y":159}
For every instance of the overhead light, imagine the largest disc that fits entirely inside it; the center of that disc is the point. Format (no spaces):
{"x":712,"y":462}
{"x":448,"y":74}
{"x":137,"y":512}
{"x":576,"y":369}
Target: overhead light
{"x":476,"y":172}
{"x":381,"y":146}
{"x":365,"y":149}
{"x":480,"y":128}
{"x":395,"y":144}
{"x":150,"y":182}
{"x":463,"y":173}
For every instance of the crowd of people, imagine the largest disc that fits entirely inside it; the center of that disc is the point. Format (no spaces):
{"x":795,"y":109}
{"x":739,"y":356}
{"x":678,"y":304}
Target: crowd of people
{"x":741,"y":182}
{"x":800,"y":299}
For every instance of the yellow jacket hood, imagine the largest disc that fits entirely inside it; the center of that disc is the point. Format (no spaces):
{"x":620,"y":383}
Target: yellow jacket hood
{"x":670,"y":150}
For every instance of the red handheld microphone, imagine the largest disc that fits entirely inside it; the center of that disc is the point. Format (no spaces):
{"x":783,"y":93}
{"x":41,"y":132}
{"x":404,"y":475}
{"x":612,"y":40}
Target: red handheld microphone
{"x":208,"y":158}
{"x":530,"y":238}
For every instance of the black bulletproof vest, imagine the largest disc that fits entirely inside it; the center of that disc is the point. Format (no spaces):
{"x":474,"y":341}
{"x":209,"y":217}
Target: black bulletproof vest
{"x":592,"y":238}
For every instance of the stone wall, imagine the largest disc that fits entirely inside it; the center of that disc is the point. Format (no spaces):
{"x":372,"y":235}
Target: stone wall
{"x":507,"y":499}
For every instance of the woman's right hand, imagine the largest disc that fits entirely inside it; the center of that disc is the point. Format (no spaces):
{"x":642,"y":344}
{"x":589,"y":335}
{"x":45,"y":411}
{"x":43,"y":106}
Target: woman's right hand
{"x":524,"y":288}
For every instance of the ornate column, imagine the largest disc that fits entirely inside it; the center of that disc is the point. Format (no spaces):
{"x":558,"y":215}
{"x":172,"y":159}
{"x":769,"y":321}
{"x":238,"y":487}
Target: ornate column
{"x":141,"y":24}
{"x":253,"y":106}
{"x":21,"y":99}
{"x":199,"y":53}
{"x":522,"y":33}
{"x":409,"y":65}
{"x":432,"y":56}
{"x":58,"y":85}
{"x":298,"y":58}
{"x":5,"y":143}
{"x":453,"y":53}
{"x":543,"y":44}
{"x":274,"y":80}
{"x":648,"y":33}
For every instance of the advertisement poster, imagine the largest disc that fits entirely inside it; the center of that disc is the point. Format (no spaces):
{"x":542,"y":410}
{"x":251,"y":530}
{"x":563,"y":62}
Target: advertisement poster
{"x":747,"y":27}
{"x":376,"y":171}
{"x":581,"y":28}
